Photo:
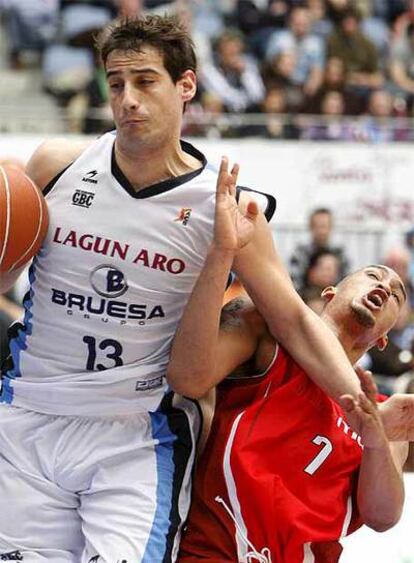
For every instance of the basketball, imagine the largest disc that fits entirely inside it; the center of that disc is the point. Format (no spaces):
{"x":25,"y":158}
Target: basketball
{"x":23,"y":218}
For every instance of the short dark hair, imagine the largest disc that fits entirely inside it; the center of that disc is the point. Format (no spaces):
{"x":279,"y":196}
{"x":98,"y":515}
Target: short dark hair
{"x":318,"y":254}
{"x":351,"y":11}
{"x":319,"y":211}
{"x":165,"y":33}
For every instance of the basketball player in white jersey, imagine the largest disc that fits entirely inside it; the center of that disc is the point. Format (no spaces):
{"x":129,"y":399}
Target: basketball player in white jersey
{"x":96,"y":449}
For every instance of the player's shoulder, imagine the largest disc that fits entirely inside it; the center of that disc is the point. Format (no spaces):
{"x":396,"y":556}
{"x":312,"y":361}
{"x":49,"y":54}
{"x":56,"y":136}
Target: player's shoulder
{"x":52,"y":157}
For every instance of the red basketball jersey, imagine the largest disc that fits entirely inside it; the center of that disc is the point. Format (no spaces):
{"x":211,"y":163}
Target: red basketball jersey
{"x":277,"y":478}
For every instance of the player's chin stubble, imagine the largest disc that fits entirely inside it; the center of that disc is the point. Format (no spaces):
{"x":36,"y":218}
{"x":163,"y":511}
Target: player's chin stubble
{"x":362,"y":315}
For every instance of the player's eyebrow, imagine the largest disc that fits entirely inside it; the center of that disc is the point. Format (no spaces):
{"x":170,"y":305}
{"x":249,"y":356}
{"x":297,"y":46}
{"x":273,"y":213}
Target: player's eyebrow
{"x":145,"y":70}
{"x":383,"y":269}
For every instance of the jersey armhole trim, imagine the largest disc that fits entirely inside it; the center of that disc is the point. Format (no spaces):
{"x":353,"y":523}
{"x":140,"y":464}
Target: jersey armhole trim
{"x":48,"y":188}
{"x":271,"y":201}
{"x":257,"y":375}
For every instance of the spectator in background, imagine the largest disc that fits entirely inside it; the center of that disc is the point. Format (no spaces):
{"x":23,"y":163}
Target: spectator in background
{"x":279,"y":73}
{"x":401,"y":64}
{"x":208,"y":118}
{"x":308,"y":50}
{"x":320,"y":23}
{"x":331,"y":126}
{"x":323,"y":271}
{"x":276,"y":124}
{"x":320,"y":230}
{"x":378,"y":126}
{"x":30,"y":26}
{"x":258,"y":20}
{"x":334,"y":79}
{"x":235,"y":76}
{"x":375,"y":27}
{"x":358,"y":53}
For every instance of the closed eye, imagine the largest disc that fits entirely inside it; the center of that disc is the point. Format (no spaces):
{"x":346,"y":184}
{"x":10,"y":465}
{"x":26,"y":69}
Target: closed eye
{"x":397,"y":297}
{"x":373,"y":275}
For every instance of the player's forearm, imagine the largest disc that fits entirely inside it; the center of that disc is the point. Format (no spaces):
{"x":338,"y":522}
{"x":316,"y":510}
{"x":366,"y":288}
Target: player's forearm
{"x":310,"y":342}
{"x":193,"y":355}
{"x":380,"y":486}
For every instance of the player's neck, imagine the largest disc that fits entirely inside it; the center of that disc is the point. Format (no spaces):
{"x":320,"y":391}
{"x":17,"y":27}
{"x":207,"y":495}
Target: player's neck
{"x":151,"y":165}
{"x":349,"y":337}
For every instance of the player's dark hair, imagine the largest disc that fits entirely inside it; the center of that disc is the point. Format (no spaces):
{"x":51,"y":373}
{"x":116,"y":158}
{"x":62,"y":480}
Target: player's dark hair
{"x":165,"y":33}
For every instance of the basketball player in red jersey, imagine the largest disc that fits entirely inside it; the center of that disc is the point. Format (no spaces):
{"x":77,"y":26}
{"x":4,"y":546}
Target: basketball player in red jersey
{"x":283,"y":476}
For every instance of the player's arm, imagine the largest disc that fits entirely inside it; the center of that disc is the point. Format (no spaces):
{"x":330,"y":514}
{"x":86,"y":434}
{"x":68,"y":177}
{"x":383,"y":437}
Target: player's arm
{"x":380,"y":494}
{"x":380,"y":484}
{"x":307,"y":338}
{"x":208,"y":346}
{"x":48,"y":160}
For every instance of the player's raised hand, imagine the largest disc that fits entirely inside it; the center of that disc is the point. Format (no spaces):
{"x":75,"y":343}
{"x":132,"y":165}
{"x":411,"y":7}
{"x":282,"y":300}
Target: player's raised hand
{"x":233,"y":228}
{"x":368,"y":385}
{"x":365,"y":419}
{"x":397,"y":414}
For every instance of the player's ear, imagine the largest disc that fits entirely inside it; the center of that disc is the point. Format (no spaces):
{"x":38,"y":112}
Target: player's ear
{"x":188,"y":85}
{"x":382,"y":342}
{"x":328,"y":293}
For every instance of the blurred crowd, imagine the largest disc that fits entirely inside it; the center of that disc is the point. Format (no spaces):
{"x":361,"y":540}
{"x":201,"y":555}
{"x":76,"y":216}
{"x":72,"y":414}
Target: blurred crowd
{"x":279,"y":69}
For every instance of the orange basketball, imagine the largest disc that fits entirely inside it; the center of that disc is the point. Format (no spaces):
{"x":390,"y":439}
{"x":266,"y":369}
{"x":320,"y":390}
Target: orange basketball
{"x":23,"y":218}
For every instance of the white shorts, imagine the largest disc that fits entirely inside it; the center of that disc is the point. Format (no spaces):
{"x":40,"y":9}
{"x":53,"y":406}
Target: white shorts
{"x":96,"y":490}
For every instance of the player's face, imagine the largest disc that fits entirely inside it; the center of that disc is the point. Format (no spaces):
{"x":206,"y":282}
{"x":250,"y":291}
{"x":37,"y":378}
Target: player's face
{"x":146,"y":104}
{"x":375,"y":296}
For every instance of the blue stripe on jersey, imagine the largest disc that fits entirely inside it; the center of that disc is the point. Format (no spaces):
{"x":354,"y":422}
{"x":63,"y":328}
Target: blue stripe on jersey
{"x":18,"y":343}
{"x":164,"y":452}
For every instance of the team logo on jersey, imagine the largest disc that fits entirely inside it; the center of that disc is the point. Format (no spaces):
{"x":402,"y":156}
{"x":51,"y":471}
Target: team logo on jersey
{"x":108,"y":281}
{"x":11,"y":556}
{"x":90,"y":177}
{"x":82,"y":198}
{"x":149,"y":384}
{"x":184,"y":216}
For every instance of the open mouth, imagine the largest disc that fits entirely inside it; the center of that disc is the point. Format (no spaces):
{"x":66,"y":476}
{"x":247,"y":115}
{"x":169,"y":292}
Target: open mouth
{"x":375,"y":299}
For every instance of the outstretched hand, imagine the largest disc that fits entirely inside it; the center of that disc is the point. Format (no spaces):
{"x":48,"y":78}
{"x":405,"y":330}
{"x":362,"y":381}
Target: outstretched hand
{"x":365,"y":419}
{"x":397,"y":412}
{"x":397,"y":415}
{"x":363,"y":414}
{"x":233,"y":228}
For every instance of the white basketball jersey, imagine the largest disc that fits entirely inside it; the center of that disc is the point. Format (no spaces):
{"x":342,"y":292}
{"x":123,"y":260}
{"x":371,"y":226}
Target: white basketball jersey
{"x":108,"y":287}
